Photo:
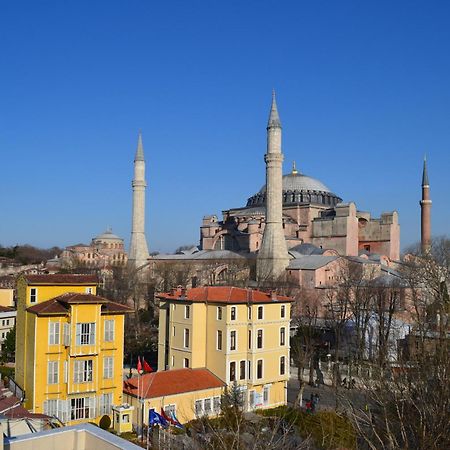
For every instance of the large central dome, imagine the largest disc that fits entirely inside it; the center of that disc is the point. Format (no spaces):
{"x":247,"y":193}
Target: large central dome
{"x":299,"y":189}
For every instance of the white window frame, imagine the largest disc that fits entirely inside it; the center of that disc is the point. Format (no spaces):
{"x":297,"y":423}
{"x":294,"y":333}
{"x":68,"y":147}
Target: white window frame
{"x":240,"y":378}
{"x":229,"y":371}
{"x":52,"y":372}
{"x":262,"y":339}
{"x":219,"y":313}
{"x":186,"y":338}
{"x":283,"y":311}
{"x":89,"y":290}
{"x":219,"y":341}
{"x":262,"y":369}
{"x":284,"y":336}
{"x":216,"y":405}
{"x":284,"y":364}
{"x":266,"y":395}
{"x":207,"y":406}
{"x":233,"y":309}
{"x":109,"y":330}
{"x":187,"y":312}
{"x":66,"y":334}
{"x":249,"y":312}
{"x":51,"y":407}
{"x":173,"y":361}
{"x":33,"y":295}
{"x":235,"y":340}
{"x":83,"y":371}
{"x":260,"y":308}
{"x":170,"y":409}
{"x":186,"y":363}
{"x":105,"y":403}
{"x":85,"y":333}
{"x":108,"y":367}
{"x":82,"y":408}
{"x":249,"y":369}
{"x":198,"y":408}
{"x":54,"y":333}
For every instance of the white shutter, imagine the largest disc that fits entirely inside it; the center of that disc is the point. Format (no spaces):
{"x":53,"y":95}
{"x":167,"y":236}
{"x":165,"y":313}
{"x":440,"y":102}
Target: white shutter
{"x":92,"y":407}
{"x":78,"y":341}
{"x":100,"y":408}
{"x":56,"y":333}
{"x":92,"y":334}
{"x":63,"y":409}
{"x":66,"y":367}
{"x":76,"y":371}
{"x":67,"y":334}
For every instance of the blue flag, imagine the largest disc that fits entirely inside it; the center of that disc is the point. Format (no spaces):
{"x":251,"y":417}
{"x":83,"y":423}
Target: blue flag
{"x":156,"y":419}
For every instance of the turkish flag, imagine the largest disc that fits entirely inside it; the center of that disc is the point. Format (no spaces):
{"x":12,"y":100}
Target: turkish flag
{"x":147,"y":367}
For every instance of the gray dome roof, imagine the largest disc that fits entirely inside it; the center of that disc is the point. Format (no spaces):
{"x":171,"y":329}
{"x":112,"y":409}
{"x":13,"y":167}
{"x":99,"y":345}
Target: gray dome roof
{"x":300,"y":182}
{"x":299,"y":189}
{"x":108,"y":235}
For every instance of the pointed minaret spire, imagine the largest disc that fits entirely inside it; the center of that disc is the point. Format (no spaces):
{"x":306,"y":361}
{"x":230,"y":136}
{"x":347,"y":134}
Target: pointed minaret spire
{"x":274,"y":118}
{"x":425,"y":172}
{"x":140,"y":149}
{"x":425,"y":206}
{"x":138,"y":247}
{"x":273,"y":257}
{"x":294,"y":168}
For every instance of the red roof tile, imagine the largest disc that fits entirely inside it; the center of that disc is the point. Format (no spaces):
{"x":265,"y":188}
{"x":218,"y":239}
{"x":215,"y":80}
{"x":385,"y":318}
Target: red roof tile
{"x":6,"y":309}
{"x":61,"y":278}
{"x":60,"y":304}
{"x":170,"y":382}
{"x":224,"y":294}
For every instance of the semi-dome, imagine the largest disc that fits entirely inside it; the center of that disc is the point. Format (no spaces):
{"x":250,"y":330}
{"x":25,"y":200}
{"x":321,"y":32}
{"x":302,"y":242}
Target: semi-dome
{"x":299,"y":188}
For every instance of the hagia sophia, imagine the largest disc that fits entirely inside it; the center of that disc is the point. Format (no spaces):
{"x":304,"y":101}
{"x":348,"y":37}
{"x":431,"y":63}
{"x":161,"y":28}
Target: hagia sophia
{"x":312,"y":214}
{"x":293,"y":225}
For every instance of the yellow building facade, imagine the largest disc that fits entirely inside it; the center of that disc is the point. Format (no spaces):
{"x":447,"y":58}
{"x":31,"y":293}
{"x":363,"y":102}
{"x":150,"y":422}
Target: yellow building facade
{"x":240,"y":335}
{"x":69,"y":347}
{"x":187,"y":393}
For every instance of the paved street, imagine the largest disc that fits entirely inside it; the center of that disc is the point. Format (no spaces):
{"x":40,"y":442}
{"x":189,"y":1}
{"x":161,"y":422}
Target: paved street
{"x":327,"y":395}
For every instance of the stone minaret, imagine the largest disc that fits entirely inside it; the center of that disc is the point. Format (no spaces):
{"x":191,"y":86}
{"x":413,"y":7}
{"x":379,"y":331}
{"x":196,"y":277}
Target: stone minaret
{"x":138,"y":247}
{"x":425,"y":206}
{"x":273,"y":256}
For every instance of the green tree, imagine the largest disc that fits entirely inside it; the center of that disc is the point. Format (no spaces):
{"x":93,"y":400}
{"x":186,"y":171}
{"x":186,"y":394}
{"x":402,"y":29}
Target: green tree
{"x":9,"y":344}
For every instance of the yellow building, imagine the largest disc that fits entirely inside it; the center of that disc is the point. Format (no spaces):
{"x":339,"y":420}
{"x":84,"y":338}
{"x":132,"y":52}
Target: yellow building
{"x":240,"y":335}
{"x":69,"y":347}
{"x":187,"y":393}
{"x":7,"y":297}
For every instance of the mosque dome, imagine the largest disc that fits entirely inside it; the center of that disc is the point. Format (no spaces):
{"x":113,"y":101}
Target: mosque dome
{"x":299,"y":188}
{"x":108,"y":235}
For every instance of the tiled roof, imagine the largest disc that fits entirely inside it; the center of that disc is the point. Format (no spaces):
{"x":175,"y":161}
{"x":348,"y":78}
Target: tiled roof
{"x":170,"y":382}
{"x":6,"y":309}
{"x":224,"y":294}
{"x":61,"y":278}
{"x":60,"y":304}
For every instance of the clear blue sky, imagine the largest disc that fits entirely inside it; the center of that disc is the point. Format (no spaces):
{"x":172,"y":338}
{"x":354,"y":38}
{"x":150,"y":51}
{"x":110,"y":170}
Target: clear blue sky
{"x":363,"y":91}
